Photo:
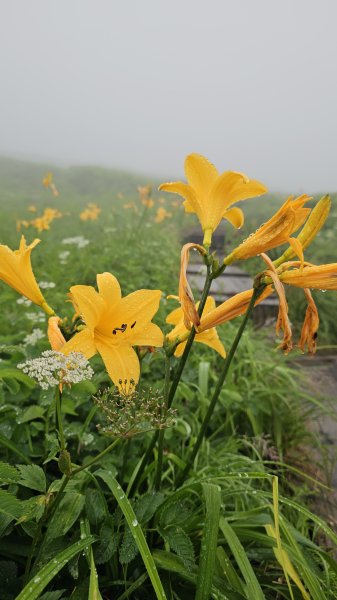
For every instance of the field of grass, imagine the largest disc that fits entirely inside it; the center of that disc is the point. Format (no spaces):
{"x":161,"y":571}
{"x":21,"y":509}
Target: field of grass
{"x":238,"y":526}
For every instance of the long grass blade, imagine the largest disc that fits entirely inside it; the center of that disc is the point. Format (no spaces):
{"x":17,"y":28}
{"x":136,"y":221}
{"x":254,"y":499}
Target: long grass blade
{"x":209,"y":541}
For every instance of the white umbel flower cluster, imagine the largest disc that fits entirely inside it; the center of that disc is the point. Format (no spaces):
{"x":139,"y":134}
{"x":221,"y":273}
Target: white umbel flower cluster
{"x":36,"y":335}
{"x":78,"y":241}
{"x":47,"y":285}
{"x":54,"y":368}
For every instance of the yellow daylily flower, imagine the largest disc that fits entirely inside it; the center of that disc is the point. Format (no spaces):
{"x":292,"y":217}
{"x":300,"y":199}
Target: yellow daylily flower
{"x":312,"y":226}
{"x":276,"y":231}
{"x":231,"y":308}
{"x":55,"y":335}
{"x":16,"y":270}
{"x":321,"y":277}
{"x":47,"y":181}
{"x":186,"y":298}
{"x":210,"y":195}
{"x":90,"y":213}
{"x":180,"y":333}
{"x":113,"y":325}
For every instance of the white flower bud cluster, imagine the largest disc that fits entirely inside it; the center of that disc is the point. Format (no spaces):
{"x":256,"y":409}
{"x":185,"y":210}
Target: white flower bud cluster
{"x":78,"y":240}
{"x":46,"y":285}
{"x":31,"y":339}
{"x":53,"y":368}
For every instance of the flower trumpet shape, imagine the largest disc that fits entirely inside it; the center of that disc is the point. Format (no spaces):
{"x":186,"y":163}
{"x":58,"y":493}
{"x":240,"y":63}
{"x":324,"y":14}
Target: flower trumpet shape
{"x":16,"y":270}
{"x":210,"y":195}
{"x":113,"y":325}
{"x":231,"y":308}
{"x":186,"y":298}
{"x":276,"y":231}
{"x":322,"y":277}
{"x":180,"y":332}
{"x":55,"y":335}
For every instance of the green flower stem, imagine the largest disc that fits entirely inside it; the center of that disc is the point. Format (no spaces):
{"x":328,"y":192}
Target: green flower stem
{"x":162,"y":431}
{"x":98,"y":457}
{"x":58,"y":399}
{"x":174,"y":383}
{"x":221,"y":380}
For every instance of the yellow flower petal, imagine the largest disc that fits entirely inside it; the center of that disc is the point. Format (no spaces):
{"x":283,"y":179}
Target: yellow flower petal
{"x":89,"y":304}
{"x":201,"y":175}
{"x":150,"y":335}
{"x":81,"y":342}
{"x":16,"y":270}
{"x":184,"y":190}
{"x":121,"y":362}
{"x":55,"y":336}
{"x":210,"y":338}
{"x":235,"y":216}
{"x":109,"y":288}
{"x":139,"y":306}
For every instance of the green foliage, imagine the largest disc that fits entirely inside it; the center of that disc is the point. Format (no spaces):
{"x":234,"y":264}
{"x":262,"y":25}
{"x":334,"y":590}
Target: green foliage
{"x":207,"y":539}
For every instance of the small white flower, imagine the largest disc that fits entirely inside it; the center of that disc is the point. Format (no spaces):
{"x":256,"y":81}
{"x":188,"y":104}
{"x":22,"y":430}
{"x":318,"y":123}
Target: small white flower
{"x":46,"y":285}
{"x":32,"y":338}
{"x":24,"y":301}
{"x":78,"y":240}
{"x":36,"y":317}
{"x":63,"y":256}
{"x":54,"y":368}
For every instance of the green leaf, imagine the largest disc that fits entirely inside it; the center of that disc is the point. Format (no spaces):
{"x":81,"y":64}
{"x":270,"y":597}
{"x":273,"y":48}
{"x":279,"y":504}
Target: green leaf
{"x":209,"y":541}
{"x":108,"y":542}
{"x":10,"y":505}
{"x":32,"y":413}
{"x":95,"y":506}
{"x":137,"y":532}
{"x":128,"y":549}
{"x":8,"y":473}
{"x":65,"y":515}
{"x":252,"y":589}
{"x":41,"y":579}
{"x":13,"y":447}
{"x":180,"y":543}
{"x":94,"y":593}
{"x":32,"y":477}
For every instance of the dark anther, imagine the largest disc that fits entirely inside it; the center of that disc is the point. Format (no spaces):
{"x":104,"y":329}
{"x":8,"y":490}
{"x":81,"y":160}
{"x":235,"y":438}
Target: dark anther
{"x":122,"y":328}
{"x":133,"y":324}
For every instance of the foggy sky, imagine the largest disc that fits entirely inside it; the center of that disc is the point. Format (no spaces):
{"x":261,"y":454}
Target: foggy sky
{"x":139,"y":84}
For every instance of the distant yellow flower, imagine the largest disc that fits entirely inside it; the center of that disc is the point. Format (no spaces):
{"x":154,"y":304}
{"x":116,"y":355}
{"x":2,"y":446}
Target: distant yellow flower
{"x":42,"y":223}
{"x":322,"y":277}
{"x":180,"y":333}
{"x":48,"y":183}
{"x":275,"y":232}
{"x":21,"y":223}
{"x":162,"y":214}
{"x":16,"y":270}
{"x":90,"y":213}
{"x":113,"y":325}
{"x":210,"y":195}
{"x":32,"y":208}
{"x":55,"y":335}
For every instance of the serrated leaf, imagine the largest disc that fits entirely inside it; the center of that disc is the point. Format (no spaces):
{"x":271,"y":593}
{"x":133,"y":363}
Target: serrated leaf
{"x":35,"y":586}
{"x":33,"y":477}
{"x":128,"y":549}
{"x":32,"y":413}
{"x":33,"y":508}
{"x":10,"y":505}
{"x":108,"y":542}
{"x":180,"y":543}
{"x":95,"y":506}
{"x":65,"y":515}
{"x":8,"y":473}
{"x":146,"y":506}
{"x":175,"y":511}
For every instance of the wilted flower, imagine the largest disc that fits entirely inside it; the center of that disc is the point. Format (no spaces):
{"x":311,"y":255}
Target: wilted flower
{"x":54,"y":368}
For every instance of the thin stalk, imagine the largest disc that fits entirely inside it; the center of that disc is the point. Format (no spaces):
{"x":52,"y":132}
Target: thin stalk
{"x":221,"y":380}
{"x":174,"y":384}
{"x":162,"y":431}
{"x":58,"y":399}
{"x":98,"y":457}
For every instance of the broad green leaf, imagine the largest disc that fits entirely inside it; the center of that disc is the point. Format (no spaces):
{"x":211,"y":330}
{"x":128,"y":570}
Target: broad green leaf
{"x":8,"y":473}
{"x":180,"y":543}
{"x":108,"y":541}
{"x":65,"y":515}
{"x":14,"y":448}
{"x":35,"y":586}
{"x":209,"y":541}
{"x":10,"y":505}
{"x":32,"y":477}
{"x":32,"y":413}
{"x":95,"y":506}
